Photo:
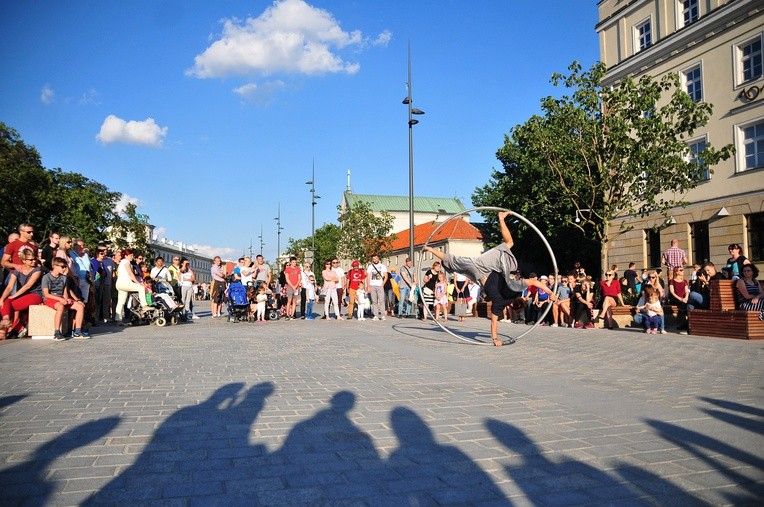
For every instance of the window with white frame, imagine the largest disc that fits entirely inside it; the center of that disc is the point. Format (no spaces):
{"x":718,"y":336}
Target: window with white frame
{"x":752,"y":140}
{"x":696,"y":148}
{"x":693,"y":81}
{"x":644,"y":35}
{"x":690,"y":11}
{"x":750,"y":59}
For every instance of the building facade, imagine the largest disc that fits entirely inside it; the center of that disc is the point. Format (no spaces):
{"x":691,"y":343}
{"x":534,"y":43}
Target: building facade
{"x":167,"y":249}
{"x":716,"y":48}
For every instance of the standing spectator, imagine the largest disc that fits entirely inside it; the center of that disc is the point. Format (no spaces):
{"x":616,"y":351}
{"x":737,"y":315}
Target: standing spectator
{"x":679,"y":294}
{"x":674,"y":257}
{"x":96,"y":270}
{"x":81,"y":268}
{"x":341,"y":282}
{"x":354,"y":278}
{"x":408,"y":281}
{"x":390,"y":286}
{"x":263,"y":271}
{"x":103,"y":310}
{"x":735,"y":263}
{"x":187,"y":279}
{"x":428,"y":290}
{"x":174,"y":271}
{"x":310,"y":295}
{"x":330,"y":290}
{"x":28,"y":292}
{"x":610,"y":289}
{"x":305,"y":275}
{"x":631,"y":277}
{"x":293,"y":282}
{"x":441,"y":296}
{"x":377,"y":274}
{"x":48,"y":251}
{"x":750,"y":291}
{"x":11,"y":255}
{"x":218,"y":287}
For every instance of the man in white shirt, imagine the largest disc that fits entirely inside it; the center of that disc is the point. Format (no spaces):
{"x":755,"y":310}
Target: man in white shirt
{"x":377,"y":276}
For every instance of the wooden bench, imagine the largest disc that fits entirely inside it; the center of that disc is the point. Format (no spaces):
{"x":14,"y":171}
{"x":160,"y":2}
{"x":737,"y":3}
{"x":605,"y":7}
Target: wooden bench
{"x":722,"y":319}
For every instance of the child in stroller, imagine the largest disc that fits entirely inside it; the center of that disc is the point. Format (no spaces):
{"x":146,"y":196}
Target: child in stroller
{"x":238,"y":304}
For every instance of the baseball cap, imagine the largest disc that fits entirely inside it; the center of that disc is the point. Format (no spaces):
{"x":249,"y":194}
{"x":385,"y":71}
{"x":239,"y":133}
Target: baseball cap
{"x":544,"y":277}
{"x":355,"y":264}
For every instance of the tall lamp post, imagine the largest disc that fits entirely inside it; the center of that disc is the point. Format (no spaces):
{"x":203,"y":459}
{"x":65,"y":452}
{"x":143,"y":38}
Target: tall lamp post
{"x":313,"y":198}
{"x":278,"y":233}
{"x":412,"y":121}
{"x":262,"y":243}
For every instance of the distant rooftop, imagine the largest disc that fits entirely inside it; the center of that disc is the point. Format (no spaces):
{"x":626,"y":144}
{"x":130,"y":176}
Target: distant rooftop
{"x":456,"y":229}
{"x":396,"y":203}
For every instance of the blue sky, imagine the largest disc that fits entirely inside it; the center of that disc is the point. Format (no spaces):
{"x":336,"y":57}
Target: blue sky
{"x":210,"y":114}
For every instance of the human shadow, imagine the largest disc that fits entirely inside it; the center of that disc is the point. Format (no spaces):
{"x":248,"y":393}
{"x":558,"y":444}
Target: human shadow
{"x":713,"y":452}
{"x":326,"y":459}
{"x":193,"y":451}
{"x":26,"y":483}
{"x":6,"y":401}
{"x":431,"y":471}
{"x":573,"y":482}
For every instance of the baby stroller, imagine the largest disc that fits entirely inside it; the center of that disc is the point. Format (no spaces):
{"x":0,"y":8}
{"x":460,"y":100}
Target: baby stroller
{"x":238,"y":304}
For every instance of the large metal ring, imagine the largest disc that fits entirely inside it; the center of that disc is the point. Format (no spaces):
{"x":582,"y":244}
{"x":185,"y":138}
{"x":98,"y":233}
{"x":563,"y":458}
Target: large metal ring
{"x":466,"y":212}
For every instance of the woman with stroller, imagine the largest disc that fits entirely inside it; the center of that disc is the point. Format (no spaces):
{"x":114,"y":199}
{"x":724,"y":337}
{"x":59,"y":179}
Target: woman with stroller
{"x":127,"y":283}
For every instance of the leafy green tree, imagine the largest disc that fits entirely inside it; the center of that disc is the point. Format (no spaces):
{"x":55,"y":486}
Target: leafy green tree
{"x":327,"y":237}
{"x":129,"y":229}
{"x":362,"y":233}
{"x":599,"y":153}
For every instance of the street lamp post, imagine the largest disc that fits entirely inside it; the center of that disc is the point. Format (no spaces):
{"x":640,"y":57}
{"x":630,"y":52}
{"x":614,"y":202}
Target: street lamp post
{"x":278,"y":233}
{"x":412,"y":121}
{"x":313,"y":198}
{"x":262,"y":243}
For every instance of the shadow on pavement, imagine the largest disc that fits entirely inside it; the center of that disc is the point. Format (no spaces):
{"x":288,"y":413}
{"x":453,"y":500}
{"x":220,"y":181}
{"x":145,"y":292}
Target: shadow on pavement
{"x":6,"y":401}
{"x":26,"y":483}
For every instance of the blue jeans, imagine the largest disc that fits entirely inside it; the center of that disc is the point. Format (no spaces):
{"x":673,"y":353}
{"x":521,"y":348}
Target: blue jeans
{"x":404,"y":302}
{"x":696,"y":300}
{"x":640,"y":319}
{"x":309,"y":308}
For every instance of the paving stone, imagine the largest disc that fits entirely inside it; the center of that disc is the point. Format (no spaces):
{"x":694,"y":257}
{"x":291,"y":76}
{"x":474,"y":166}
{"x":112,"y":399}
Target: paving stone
{"x":299,"y":412}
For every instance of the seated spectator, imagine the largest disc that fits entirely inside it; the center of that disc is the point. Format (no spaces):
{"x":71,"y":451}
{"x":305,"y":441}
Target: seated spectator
{"x":13,"y":307}
{"x":56,"y":295}
{"x":735,"y":263}
{"x":679,"y":294}
{"x":611,"y":290}
{"x":700,"y":292}
{"x":750,"y":291}
{"x":561,"y":309}
{"x":583,"y":296}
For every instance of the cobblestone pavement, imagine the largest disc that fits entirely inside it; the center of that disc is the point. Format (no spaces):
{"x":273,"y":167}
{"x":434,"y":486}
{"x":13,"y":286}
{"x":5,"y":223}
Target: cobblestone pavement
{"x":379,"y":413}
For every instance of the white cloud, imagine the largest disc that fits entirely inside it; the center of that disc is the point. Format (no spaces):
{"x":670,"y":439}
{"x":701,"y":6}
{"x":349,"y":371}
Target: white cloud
{"x":47,"y":95}
{"x":383,"y":39}
{"x":90,"y":97}
{"x":117,"y":130}
{"x":259,"y":93}
{"x":123,"y":201}
{"x":212,"y":251}
{"x":291,"y":36}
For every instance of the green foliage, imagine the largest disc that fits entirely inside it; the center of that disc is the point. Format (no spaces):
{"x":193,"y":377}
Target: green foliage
{"x":129,"y":230}
{"x":599,"y":153}
{"x":362,"y":233}
{"x":327,"y":237}
{"x":54,"y":200}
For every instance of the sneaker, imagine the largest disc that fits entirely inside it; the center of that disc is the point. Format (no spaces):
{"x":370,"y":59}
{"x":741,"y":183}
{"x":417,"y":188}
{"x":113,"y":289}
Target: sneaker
{"x":310,"y":318}
{"x":663,"y":331}
{"x":340,"y":317}
{"x":682,"y":331}
{"x":58,"y":337}
{"x":553,"y":325}
{"x":24,"y":332}
{"x":578,"y":325}
{"x":323,"y":317}
{"x":82,"y":335}
{"x":194,"y":316}
{"x":383,"y":318}
{"x":375,"y":318}
{"x":589,"y":326}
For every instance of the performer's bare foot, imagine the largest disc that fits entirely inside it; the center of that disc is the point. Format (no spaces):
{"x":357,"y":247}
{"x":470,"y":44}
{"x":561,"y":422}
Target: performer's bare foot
{"x":497,"y":342}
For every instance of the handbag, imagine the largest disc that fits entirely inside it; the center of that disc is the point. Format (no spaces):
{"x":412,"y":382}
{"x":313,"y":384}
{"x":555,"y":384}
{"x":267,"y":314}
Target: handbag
{"x":460,"y":308}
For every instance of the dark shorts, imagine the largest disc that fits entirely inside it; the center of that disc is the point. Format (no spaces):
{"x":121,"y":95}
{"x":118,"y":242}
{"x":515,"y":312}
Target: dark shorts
{"x":217,"y":291}
{"x":498,"y":293}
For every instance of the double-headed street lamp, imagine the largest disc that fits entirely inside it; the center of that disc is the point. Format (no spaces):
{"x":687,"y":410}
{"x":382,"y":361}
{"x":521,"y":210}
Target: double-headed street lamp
{"x":412,"y":121}
{"x":313,"y":198}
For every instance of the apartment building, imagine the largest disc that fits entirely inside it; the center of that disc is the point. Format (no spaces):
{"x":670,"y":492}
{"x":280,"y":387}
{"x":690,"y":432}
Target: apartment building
{"x":716,"y":46}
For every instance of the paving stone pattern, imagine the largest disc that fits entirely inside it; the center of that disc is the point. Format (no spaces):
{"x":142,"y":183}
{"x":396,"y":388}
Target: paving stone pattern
{"x":379,"y":413}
